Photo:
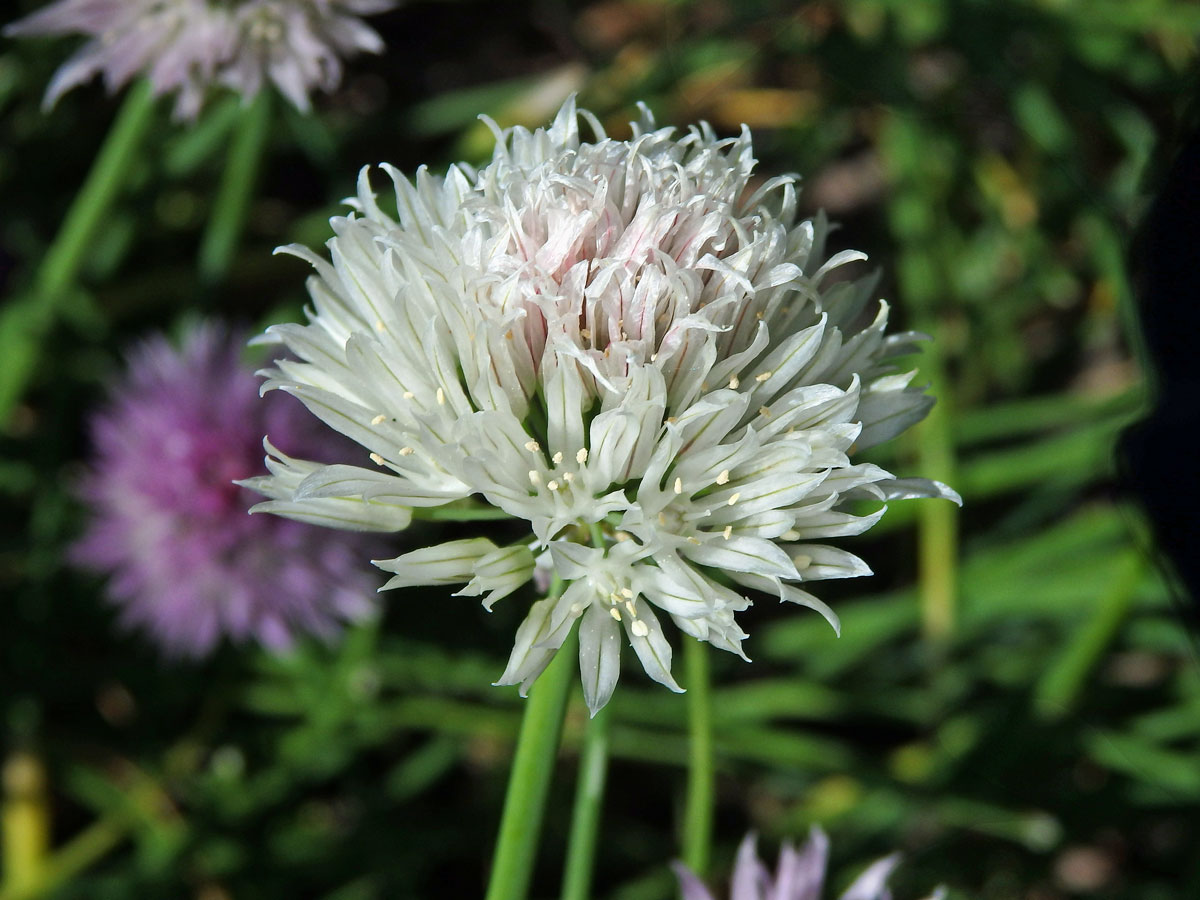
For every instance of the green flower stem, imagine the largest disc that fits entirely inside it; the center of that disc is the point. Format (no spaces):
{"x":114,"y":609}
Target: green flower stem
{"x":701,"y":785}
{"x":529,"y":781}
{"x":236,"y":190}
{"x":937,"y":522}
{"x":24,"y":322}
{"x":585,"y":819}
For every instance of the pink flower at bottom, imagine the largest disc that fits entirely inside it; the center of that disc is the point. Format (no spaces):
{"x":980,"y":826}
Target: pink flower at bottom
{"x":799,"y":875}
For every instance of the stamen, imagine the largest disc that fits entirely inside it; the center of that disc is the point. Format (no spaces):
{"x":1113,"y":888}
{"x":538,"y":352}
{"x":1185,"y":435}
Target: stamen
{"x":534,"y":477}
{"x":533,"y":446}
{"x":377,"y":459}
{"x":581,"y":456}
{"x":765,"y":412}
{"x":626,"y":592}
{"x":791,"y":535}
{"x":406,"y":451}
{"x":568,"y":477}
{"x":802,"y":561}
{"x":728,"y":532}
{"x":557,"y":458}
{"x":379,"y":419}
{"x":615,"y":613}
{"x":639,"y":628}
{"x":763,"y":376}
{"x":408,"y":395}
{"x":734,"y":382}
{"x":441,"y":397}
{"x":553,"y":485}
{"x":678,"y":485}
{"x":723,"y":478}
{"x":379,"y":326}
{"x":737,"y":495}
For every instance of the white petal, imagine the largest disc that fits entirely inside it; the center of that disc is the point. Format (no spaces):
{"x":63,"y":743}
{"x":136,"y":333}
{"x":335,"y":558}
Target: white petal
{"x":599,"y":656}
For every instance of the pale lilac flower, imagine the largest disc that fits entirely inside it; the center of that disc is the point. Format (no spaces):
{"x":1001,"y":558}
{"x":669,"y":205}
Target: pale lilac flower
{"x":799,"y":875}
{"x":187,"y":46}
{"x":618,"y":343}
{"x":186,"y":563}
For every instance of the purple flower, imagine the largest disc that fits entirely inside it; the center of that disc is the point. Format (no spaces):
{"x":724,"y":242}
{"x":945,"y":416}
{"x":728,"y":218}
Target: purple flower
{"x":187,"y":564}
{"x":186,"y":46}
{"x":800,"y":875}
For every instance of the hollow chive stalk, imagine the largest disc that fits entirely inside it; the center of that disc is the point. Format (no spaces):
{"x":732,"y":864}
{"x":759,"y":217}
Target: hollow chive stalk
{"x":25,"y":322}
{"x":589,"y":794}
{"x":701,"y":783}
{"x":529,"y":780}
{"x":236,"y":191}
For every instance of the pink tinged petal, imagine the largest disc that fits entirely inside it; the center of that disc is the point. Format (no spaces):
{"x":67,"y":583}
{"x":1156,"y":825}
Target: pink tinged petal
{"x":802,"y":873}
{"x":751,"y":880}
{"x":872,"y":884}
{"x":82,"y":67}
{"x":690,"y":887}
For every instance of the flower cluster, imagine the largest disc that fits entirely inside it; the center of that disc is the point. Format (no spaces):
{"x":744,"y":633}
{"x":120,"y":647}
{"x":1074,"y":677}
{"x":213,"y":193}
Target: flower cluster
{"x":800,"y":875}
{"x":627,"y":345}
{"x":187,"y":564}
{"x":186,"y":46}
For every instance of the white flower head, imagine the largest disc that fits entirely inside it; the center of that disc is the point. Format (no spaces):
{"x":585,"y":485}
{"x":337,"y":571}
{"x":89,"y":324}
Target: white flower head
{"x":618,"y":343}
{"x":186,"y":46}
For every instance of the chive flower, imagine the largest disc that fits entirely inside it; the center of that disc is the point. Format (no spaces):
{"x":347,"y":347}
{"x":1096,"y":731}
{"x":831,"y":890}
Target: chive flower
{"x":189,"y":46}
{"x":624,"y":344}
{"x":799,"y":875}
{"x":185,"y":563}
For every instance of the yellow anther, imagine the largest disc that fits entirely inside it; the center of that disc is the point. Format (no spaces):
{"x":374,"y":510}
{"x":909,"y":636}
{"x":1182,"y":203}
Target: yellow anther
{"x":737,"y":495}
{"x":679,"y":485}
{"x":791,"y":535}
{"x":734,"y":382}
{"x":581,"y":455}
{"x":557,"y":458}
{"x":379,"y":326}
{"x":406,"y":451}
{"x":639,"y":628}
{"x":627,"y":593}
{"x":615,"y":613}
{"x":763,"y":376}
{"x":723,"y":478}
{"x":533,"y":446}
{"x":379,"y":419}
{"x":621,"y":536}
{"x":408,"y":395}
{"x":441,"y":397}
{"x":765,"y":412}
{"x":377,"y":459}
{"x":802,"y":561}
{"x":568,"y":477}
{"x":553,"y":485}
{"x":534,"y":477}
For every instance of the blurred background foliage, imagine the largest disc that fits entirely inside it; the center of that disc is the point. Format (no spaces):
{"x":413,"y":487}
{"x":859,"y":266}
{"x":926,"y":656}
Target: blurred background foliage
{"x":1014,"y":702}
